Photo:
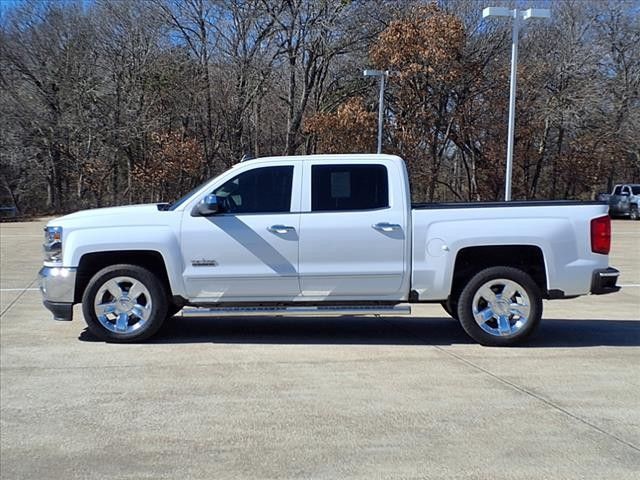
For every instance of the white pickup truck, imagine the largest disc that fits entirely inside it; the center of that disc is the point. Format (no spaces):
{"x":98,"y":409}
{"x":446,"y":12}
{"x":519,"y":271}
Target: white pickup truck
{"x":323,"y":235}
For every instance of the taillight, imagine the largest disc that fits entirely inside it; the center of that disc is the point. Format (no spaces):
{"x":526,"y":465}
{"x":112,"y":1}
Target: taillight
{"x":601,"y":235}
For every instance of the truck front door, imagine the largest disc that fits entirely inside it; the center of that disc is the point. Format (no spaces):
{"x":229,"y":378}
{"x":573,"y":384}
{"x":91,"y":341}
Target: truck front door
{"x":250,"y":248}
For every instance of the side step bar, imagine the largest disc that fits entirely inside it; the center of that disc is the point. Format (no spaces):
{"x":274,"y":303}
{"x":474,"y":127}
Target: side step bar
{"x":296,"y":311}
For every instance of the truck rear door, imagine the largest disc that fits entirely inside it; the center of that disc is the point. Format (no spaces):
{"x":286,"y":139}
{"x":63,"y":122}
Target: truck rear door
{"x":353,"y":229}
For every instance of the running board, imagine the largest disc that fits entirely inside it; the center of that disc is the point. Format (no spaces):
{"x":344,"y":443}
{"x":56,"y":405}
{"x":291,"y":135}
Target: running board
{"x":296,"y":311}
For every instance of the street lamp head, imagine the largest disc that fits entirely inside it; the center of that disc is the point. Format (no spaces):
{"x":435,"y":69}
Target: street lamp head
{"x":497,"y":12}
{"x":536,"y":13}
{"x":506,"y":12}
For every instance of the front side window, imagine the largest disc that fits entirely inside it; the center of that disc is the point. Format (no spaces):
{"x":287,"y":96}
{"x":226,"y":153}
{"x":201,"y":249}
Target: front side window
{"x":618,"y":190}
{"x":349,"y":187}
{"x":261,"y":190}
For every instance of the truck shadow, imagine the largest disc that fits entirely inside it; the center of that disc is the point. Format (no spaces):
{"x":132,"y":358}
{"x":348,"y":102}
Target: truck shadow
{"x":381,"y":331}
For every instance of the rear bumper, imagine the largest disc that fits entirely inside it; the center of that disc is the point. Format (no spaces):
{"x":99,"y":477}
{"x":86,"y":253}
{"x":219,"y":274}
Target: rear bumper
{"x":57,"y":285}
{"x":604,"y":281}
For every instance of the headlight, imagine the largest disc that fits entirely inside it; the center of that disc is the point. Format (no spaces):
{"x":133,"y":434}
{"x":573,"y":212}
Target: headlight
{"x":52,"y":244}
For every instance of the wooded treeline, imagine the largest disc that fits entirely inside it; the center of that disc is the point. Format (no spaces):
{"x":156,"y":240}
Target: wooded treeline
{"x":114,"y":102}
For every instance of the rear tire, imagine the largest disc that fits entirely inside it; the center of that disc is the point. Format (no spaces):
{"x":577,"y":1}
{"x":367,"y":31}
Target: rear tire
{"x":500,"y":306}
{"x":124,"y":303}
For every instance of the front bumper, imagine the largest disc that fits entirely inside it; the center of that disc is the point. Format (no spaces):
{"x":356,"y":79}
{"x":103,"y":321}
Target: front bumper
{"x":604,"y":281}
{"x":58,"y":285}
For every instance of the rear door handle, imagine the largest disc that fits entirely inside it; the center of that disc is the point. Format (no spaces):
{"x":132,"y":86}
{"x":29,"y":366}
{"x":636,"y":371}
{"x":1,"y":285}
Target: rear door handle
{"x":386,"y":227}
{"x":281,"y":229}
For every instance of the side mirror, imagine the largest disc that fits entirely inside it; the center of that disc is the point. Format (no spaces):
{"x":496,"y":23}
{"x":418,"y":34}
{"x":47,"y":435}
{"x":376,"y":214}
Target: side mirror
{"x":207,"y":206}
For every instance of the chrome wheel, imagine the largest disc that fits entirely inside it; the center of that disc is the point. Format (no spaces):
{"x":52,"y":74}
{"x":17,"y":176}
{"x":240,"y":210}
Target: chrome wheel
{"x":501,"y":307}
{"x":123,"y":305}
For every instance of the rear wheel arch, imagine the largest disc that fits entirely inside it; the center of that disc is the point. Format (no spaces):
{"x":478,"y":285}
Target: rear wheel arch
{"x":471,"y":260}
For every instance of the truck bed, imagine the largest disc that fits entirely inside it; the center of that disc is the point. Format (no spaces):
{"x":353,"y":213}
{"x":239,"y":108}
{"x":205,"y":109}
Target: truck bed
{"x":560,"y":230}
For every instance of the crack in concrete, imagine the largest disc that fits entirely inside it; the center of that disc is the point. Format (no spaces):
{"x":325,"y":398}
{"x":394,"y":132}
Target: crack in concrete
{"x":18,"y":297}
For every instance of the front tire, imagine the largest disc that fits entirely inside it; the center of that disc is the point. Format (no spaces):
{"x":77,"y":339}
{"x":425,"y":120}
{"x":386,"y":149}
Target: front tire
{"x":633,"y":213}
{"x":500,"y":306}
{"x":124,"y":303}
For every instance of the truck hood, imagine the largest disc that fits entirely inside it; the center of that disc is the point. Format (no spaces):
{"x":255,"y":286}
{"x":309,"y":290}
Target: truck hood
{"x":125,"y":215}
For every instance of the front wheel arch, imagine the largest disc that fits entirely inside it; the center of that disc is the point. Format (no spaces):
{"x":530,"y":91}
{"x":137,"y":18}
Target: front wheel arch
{"x":91,"y":263}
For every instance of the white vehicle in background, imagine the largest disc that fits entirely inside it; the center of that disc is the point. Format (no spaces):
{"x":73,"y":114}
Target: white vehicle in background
{"x":323,"y":235}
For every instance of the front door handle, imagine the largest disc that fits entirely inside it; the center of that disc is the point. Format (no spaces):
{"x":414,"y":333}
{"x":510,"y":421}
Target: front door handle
{"x":386,"y":227}
{"x":281,"y":229}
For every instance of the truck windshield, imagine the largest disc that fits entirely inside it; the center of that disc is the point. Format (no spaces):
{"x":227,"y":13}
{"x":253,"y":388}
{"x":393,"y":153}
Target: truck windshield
{"x":635,"y":189}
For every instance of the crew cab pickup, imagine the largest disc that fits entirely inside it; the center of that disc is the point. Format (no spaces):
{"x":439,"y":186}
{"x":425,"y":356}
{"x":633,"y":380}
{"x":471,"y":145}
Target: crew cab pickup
{"x":624,"y":201}
{"x":323,"y":235}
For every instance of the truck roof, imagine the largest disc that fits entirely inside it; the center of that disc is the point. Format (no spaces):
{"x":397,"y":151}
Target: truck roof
{"x":350,"y":157}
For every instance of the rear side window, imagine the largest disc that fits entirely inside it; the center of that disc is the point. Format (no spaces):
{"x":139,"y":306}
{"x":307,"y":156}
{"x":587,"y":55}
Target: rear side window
{"x":261,"y":190}
{"x":349,"y":187}
{"x":618,"y":190}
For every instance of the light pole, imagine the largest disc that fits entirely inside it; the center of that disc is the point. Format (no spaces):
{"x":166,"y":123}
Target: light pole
{"x":517,"y":15}
{"x":383,"y":74}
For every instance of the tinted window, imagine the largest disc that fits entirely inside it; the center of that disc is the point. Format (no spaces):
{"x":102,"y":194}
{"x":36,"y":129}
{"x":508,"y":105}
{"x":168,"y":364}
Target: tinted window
{"x":636,"y":189}
{"x":617,"y":190}
{"x":261,"y":190}
{"x":349,"y":187}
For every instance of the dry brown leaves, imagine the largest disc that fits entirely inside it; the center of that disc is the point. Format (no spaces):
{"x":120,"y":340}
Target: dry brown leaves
{"x":172,"y":158}
{"x":350,"y":129}
{"x":428,"y":42}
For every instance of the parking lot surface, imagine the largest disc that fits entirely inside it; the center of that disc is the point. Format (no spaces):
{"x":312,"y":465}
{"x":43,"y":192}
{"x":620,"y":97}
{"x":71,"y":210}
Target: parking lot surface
{"x":321,"y":397}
